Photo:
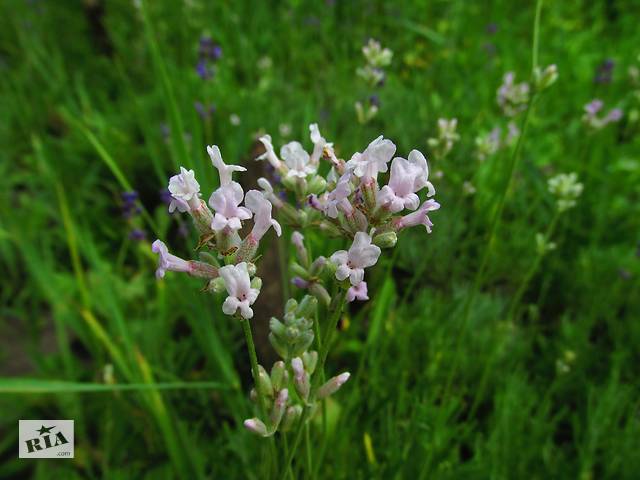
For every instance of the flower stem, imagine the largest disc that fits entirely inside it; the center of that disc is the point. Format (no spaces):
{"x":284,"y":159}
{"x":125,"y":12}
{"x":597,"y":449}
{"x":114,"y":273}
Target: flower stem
{"x":324,"y":351}
{"x":533,"y":268}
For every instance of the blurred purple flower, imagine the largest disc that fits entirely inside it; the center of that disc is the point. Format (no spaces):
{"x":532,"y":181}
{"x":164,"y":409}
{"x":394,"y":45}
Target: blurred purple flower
{"x":604,"y":73}
{"x":491,"y":28}
{"x":137,"y":234}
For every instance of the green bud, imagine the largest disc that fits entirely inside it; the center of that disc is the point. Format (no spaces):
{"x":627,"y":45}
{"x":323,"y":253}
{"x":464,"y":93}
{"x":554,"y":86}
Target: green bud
{"x":290,"y":306}
{"x":251,"y":269}
{"x":292,"y":414}
{"x":307,"y":307}
{"x":330,"y":229}
{"x":310,"y":360}
{"x":279,"y":346}
{"x":316,"y":185}
{"x":208,"y":258}
{"x":386,"y":240}
{"x":299,"y":271}
{"x":279,"y":375}
{"x":317,"y":266}
{"x":276,"y":326}
{"x":217,"y":285}
{"x":264,"y":382}
{"x":320,"y":293}
{"x":256,"y":282}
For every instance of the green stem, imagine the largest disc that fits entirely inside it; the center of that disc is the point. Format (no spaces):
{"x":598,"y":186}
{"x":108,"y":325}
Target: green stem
{"x":497,"y":216}
{"x":324,"y":351}
{"x":533,"y":268}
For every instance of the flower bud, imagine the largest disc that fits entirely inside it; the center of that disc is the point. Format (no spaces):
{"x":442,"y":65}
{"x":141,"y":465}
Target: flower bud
{"x":317,"y":266}
{"x":279,"y":408}
{"x":329,"y":229}
{"x":264,"y":382}
{"x":256,"y":282}
{"x":310,"y":360}
{"x":279,"y":375}
{"x":202,"y":218}
{"x":298,"y":270}
{"x":307,"y":307}
{"x":292,"y":414}
{"x":300,"y":378}
{"x":208,"y":258}
{"x":333,"y":385}
{"x":256,"y":426}
{"x":545,"y":78}
{"x":316,"y":185}
{"x":300,"y":283}
{"x":386,"y":240}
{"x":320,"y":293}
{"x":217,"y":285}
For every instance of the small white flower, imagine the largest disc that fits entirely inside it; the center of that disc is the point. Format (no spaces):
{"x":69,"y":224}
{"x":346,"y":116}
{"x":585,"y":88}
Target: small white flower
{"x":407,"y":177}
{"x":238,"y":285}
{"x":234,"y":119}
{"x":185,"y":190}
{"x":351,"y":264}
{"x":269,"y":154}
{"x":262,"y":221}
{"x":297,"y":160}
{"x":167,"y":261}
{"x":376,"y":55}
{"x":269,"y":194}
{"x":373,"y":160}
{"x":284,"y":129}
{"x":225,"y":171}
{"x":319,"y":144}
{"x":225,"y":201}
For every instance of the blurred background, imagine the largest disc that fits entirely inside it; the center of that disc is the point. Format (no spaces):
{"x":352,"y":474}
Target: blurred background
{"x":535,"y":377}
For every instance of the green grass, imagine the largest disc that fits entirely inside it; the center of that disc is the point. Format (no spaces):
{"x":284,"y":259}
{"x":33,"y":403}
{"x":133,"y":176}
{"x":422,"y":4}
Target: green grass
{"x":451,"y":378}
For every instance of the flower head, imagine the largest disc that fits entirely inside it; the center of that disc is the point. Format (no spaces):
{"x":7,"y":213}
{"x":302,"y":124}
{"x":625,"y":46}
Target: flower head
{"x":297,"y":159}
{"x":228,"y":214}
{"x":566,"y":188}
{"x":318,"y":144}
{"x":238,"y":285}
{"x":373,"y":160}
{"x":185,"y":190}
{"x":262,"y":221}
{"x":351,"y":263}
{"x":225,"y":171}
{"x":407,"y":177}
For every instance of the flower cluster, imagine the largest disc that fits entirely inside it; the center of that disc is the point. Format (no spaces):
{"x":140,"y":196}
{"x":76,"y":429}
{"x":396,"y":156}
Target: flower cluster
{"x":208,"y":53}
{"x":512,"y":97}
{"x":447,"y":136}
{"x":373,"y":74}
{"x":594,"y":121}
{"x":544,"y":78}
{"x":566,"y":188}
{"x":488,"y":144}
{"x":131,"y":209}
{"x":349,"y":201}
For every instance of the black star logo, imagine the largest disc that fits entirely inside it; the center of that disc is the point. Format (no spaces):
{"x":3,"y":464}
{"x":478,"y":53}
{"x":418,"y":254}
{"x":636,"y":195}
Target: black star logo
{"x":44,"y":430}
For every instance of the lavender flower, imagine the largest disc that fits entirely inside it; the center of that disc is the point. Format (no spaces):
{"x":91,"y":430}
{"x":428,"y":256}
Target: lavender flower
{"x":241,"y":294}
{"x":351,"y":264}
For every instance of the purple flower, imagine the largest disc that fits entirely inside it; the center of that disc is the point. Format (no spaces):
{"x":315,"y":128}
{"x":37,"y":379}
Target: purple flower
{"x":374,"y":100}
{"x":359,"y":292}
{"x":204,"y":71}
{"x":167,"y":261}
{"x":130,"y":207}
{"x":491,"y":28}
{"x":209,"y":50}
{"x":241,"y":294}
{"x":137,"y":234}
{"x":300,"y":282}
{"x":351,"y":264}
{"x":165,"y":196}
{"x":604,"y":72}
{"x":407,"y":178}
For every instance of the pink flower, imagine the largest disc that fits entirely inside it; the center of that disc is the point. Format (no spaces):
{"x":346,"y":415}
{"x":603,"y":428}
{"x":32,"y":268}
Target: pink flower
{"x":167,"y":261}
{"x":419,"y":217}
{"x":225,"y":201}
{"x":238,"y":285}
{"x":407,"y":177}
{"x":359,"y":292}
{"x":373,"y":160}
{"x":351,"y":264}
{"x":338,"y":198}
{"x":261,"y":207}
{"x":185,"y":191}
{"x":225,"y":171}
